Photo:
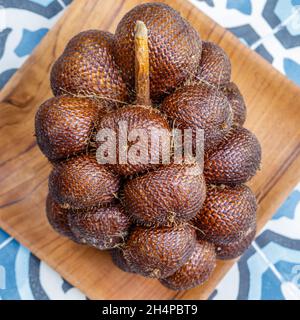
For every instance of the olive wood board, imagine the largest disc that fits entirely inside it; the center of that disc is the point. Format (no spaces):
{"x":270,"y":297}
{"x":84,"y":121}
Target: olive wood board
{"x":273,"y":115}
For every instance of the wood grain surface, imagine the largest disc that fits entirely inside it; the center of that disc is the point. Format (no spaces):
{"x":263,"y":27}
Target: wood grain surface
{"x":273,"y":115}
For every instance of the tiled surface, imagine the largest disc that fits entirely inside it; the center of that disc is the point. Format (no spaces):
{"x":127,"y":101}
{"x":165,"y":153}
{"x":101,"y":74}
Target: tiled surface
{"x":270,"y":27}
{"x":270,"y":269}
{"x":23,"y":276}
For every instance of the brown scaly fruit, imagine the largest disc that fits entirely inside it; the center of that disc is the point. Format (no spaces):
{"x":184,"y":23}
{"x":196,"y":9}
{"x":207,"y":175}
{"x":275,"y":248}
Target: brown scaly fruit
{"x":235,"y":160}
{"x":157,"y":252}
{"x":237,"y":103}
{"x":58,"y":218}
{"x":118,"y":259}
{"x":215,"y":66}
{"x":234,"y":249}
{"x":174,"y":47}
{"x":171,"y":194}
{"x":81,"y":182}
{"x":195,"y":271}
{"x":136,"y":118}
{"x":87,"y":67}
{"x":64,"y":125}
{"x":103,"y":228}
{"x":199,"y":106}
{"x":140,"y":116}
{"x":227,"y":214}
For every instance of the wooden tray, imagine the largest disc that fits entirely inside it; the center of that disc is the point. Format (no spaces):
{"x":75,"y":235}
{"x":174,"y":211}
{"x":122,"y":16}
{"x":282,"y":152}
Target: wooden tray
{"x":273,"y":114}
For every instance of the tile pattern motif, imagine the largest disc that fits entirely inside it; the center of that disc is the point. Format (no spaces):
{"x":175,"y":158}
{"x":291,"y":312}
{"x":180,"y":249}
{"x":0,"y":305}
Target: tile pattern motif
{"x":270,"y":269}
{"x":266,"y":26}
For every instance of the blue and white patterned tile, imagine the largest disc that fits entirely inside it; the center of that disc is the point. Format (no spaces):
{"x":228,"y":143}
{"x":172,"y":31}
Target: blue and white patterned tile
{"x":254,"y":277}
{"x":23,"y":276}
{"x":286,"y":221}
{"x":266,"y":26}
{"x":279,"y":243}
{"x":23,"y":25}
{"x":244,"y":281}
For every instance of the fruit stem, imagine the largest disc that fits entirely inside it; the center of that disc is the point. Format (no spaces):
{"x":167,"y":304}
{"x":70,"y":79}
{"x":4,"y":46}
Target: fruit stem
{"x":142,"y":80}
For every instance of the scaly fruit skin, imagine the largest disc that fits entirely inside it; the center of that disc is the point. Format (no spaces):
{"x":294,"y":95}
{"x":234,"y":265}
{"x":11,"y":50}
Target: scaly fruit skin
{"x":157,"y":252}
{"x":195,"y":271}
{"x":174,"y":47}
{"x":81,"y":182}
{"x":64,"y":125}
{"x":87,"y":67}
{"x":237,"y":103}
{"x":215,"y":66}
{"x":171,"y":194}
{"x":135,"y":118}
{"x":227,"y":214}
{"x":199,"y":106}
{"x":235,"y":160}
{"x":58,"y":218}
{"x":102,"y":228}
{"x":119,"y":260}
{"x":234,"y":249}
